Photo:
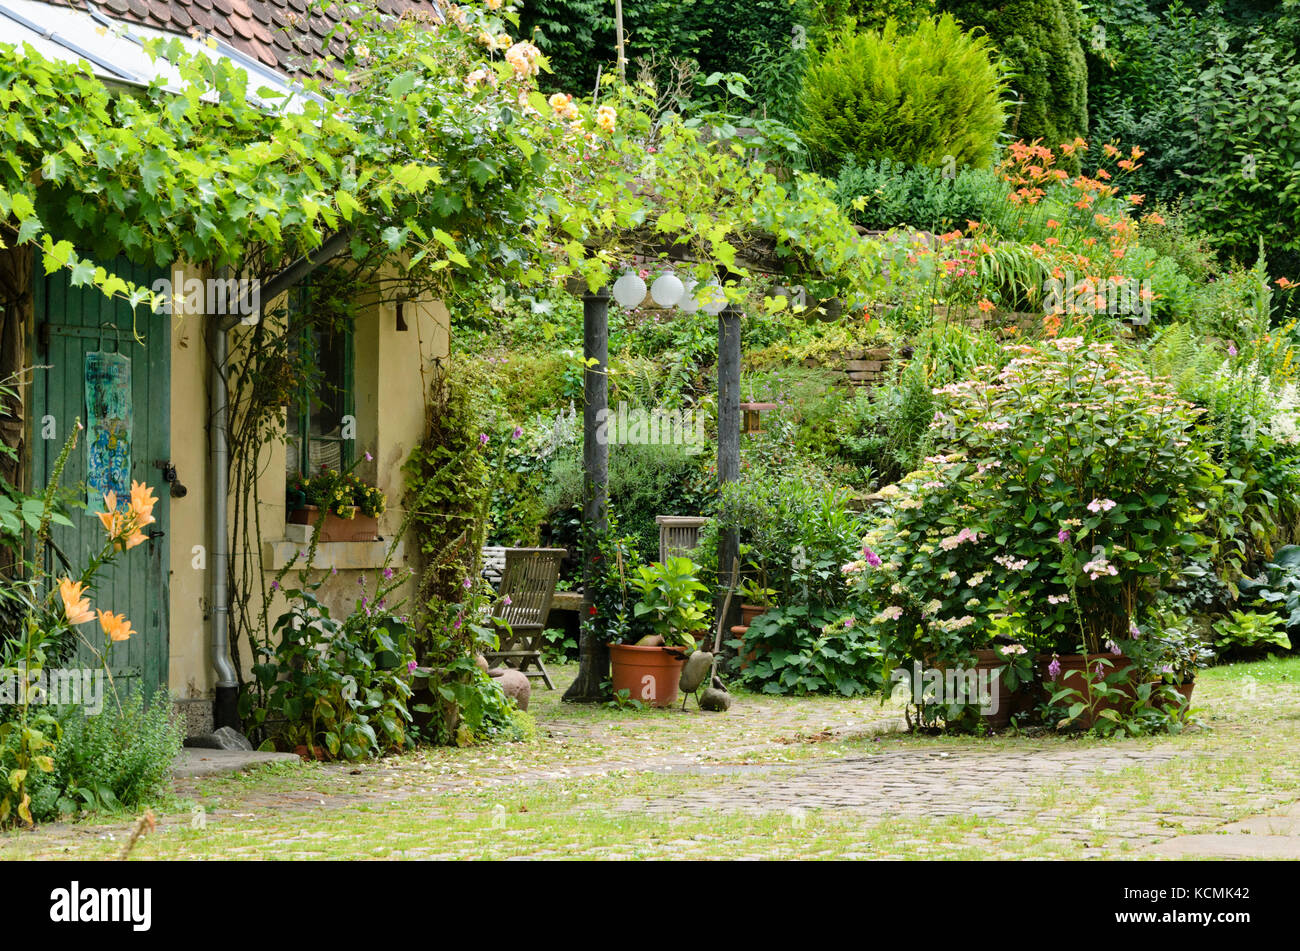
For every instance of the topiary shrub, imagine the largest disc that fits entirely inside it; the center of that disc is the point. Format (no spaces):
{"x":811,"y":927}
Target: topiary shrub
{"x":1039,"y":39}
{"x":918,"y":98}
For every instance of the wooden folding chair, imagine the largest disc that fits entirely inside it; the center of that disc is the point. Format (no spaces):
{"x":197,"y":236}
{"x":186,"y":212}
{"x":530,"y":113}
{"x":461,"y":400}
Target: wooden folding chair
{"x":529,"y":582}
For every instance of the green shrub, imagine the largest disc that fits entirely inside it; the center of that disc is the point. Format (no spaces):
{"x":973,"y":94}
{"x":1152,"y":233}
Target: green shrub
{"x":1073,"y":485}
{"x":917,"y":98}
{"x":1246,"y":631}
{"x":340,"y":685}
{"x":644,"y":481}
{"x":110,"y":761}
{"x":803,"y":649}
{"x":1247,"y":172}
{"x":796,"y":535}
{"x":883,"y":195}
{"x":1039,"y":39}
{"x":1251,"y":427}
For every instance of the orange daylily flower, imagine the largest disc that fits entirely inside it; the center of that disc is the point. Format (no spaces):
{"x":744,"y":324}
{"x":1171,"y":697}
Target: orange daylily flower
{"x":116,"y":626}
{"x":142,"y":502}
{"x":110,"y":516}
{"x":1285,"y":283}
{"x":76,"y":607}
{"x":123,"y":527}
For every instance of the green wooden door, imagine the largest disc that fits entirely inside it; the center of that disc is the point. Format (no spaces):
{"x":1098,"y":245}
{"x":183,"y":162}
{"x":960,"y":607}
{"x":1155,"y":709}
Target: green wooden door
{"x":70,"y":323}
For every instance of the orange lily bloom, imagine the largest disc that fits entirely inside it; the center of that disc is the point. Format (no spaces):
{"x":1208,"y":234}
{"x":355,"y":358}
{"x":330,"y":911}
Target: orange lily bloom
{"x":76,"y":607}
{"x":116,"y":626}
{"x":142,"y":502}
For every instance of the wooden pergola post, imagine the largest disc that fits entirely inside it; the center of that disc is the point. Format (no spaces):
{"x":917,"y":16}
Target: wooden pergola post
{"x":593,"y":653}
{"x":729,"y":350}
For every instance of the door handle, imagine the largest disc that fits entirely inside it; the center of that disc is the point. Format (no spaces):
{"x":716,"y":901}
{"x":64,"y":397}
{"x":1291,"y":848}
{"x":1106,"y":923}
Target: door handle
{"x":156,"y":533}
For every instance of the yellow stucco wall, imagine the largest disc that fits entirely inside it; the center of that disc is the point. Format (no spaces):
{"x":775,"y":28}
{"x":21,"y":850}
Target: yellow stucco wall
{"x":191,"y":546}
{"x":391,"y":368}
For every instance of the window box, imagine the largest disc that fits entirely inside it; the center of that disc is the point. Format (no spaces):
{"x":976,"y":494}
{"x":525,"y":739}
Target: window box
{"x":359,"y":528}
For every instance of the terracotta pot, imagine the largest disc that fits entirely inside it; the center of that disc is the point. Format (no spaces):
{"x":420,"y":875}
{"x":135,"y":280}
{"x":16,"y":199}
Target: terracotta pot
{"x":746,"y":657}
{"x":314,"y":753}
{"x":1072,"y":675}
{"x":359,"y":528}
{"x":750,"y":611}
{"x":1006,"y":698}
{"x":648,"y":674}
{"x":1184,"y":690}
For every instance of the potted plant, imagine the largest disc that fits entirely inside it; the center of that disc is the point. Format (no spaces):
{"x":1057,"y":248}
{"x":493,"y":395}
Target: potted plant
{"x":755,"y":596}
{"x":1173,"y":654}
{"x":671,"y":603}
{"x":351,"y":506}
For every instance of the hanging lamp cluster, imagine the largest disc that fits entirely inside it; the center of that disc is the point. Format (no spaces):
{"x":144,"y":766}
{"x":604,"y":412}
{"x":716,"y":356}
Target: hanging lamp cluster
{"x":669,"y":290}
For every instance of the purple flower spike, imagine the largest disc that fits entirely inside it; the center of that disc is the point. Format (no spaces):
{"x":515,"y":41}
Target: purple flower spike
{"x":871,"y":557}
{"x":1054,"y":668}
{"x":1063,"y":535}
{"x":482,"y":439}
{"x":410,"y":665}
{"x":369,"y":457}
{"x":467,"y":584}
{"x":517,"y":433}
{"x":388,"y":573}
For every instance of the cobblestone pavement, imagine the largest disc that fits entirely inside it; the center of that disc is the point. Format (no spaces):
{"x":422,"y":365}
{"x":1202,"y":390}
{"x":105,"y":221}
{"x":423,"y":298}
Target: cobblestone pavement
{"x":1227,"y":790}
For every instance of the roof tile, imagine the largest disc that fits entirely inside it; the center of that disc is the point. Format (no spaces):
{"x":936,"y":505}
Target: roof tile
{"x":160,"y":12}
{"x":279,"y":33}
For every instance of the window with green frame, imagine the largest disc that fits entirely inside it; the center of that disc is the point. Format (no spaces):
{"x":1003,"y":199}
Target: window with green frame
{"x":318,"y":436}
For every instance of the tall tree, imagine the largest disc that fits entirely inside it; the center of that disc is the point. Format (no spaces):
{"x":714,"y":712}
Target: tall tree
{"x":1041,"y":42}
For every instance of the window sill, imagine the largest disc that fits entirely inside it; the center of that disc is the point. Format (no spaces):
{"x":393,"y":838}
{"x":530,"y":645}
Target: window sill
{"x":343,"y":556}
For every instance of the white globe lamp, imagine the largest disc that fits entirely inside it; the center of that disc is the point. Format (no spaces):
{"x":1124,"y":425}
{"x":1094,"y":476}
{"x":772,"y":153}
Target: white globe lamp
{"x":629,"y":290}
{"x":667,"y":290}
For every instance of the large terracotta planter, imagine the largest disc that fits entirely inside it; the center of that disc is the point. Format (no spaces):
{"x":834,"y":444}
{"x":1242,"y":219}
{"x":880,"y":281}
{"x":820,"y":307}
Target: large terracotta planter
{"x":1072,"y":675}
{"x":1006,"y":698}
{"x":750,"y":611}
{"x":1184,"y":691}
{"x":648,"y":674}
{"x":359,"y":528}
